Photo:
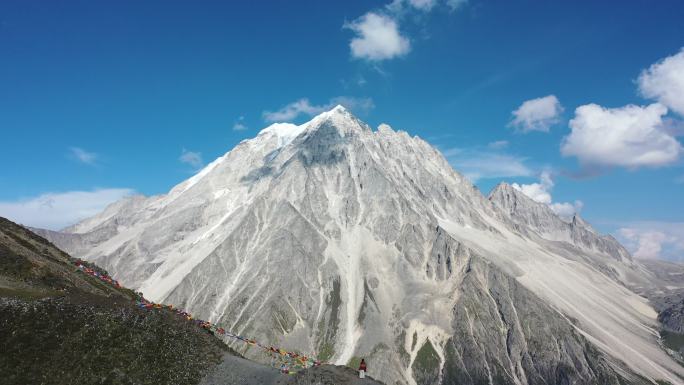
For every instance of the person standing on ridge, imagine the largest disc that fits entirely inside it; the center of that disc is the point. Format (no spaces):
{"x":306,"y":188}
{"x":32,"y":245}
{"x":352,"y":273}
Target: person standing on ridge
{"x":362,"y":369}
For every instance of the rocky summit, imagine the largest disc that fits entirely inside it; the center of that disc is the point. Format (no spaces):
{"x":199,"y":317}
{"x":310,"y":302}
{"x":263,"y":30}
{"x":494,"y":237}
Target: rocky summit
{"x":343,"y":242}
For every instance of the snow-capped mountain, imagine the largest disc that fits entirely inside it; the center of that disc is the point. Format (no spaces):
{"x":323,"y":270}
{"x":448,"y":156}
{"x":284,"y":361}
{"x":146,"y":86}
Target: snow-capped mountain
{"x":334,"y":239}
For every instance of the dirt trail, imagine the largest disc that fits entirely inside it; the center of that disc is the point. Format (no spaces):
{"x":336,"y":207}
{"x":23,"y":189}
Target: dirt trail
{"x":235,"y":370}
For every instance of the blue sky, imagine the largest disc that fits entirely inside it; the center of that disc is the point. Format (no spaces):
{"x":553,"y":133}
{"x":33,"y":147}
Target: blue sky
{"x":99,"y":99}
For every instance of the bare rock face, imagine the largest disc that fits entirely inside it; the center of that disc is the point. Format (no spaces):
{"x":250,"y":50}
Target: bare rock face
{"x":516,"y":338}
{"x":336,"y":240}
{"x":539,"y":218}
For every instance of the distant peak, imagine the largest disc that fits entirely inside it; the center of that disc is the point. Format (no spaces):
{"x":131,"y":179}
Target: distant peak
{"x":502,"y":186}
{"x":579,"y":221}
{"x":384,"y":127}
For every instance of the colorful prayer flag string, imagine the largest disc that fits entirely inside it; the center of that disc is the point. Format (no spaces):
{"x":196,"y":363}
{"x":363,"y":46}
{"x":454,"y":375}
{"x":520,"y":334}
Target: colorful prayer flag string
{"x":287,"y":360}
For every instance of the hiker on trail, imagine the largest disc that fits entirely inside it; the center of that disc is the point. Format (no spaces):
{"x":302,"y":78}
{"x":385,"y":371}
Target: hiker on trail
{"x":362,"y":369}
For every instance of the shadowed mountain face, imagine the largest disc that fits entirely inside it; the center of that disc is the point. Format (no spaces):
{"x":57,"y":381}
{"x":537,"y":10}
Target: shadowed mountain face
{"x":344,"y":242}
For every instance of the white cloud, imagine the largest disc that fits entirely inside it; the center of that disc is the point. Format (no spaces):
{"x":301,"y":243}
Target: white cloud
{"x":654,"y":240}
{"x":239,"y":124}
{"x":541,"y":192}
{"x":83,"y":156}
{"x":377,"y":33}
{"x":664,"y":82}
{"x":566,"y":210}
{"x":644,"y":244}
{"x":476,"y":163}
{"x":304,"y":107}
{"x":537,"y":114}
{"x":377,"y":38}
{"x":192,"y":158}
{"x":630,"y":136}
{"x":57,"y":210}
{"x":498,"y":145}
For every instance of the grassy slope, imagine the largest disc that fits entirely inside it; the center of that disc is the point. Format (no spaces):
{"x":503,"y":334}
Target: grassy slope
{"x":60,"y":326}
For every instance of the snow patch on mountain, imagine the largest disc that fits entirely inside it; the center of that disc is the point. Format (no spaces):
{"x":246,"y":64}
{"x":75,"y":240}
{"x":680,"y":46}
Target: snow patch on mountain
{"x":285,"y":132}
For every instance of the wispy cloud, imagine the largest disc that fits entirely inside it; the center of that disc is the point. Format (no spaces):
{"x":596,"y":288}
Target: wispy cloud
{"x":239,"y":124}
{"x":456,"y":4}
{"x":302,"y":106}
{"x":653,"y":239}
{"x":56,"y":210}
{"x":498,"y":145}
{"x":191,"y":158}
{"x":83,"y":156}
{"x":485,"y":163}
{"x":679,"y":179}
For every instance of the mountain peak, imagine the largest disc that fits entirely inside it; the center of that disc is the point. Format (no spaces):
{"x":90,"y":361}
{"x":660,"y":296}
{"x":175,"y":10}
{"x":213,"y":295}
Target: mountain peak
{"x":501,"y":186}
{"x":578,"y":221}
{"x":339,"y":117}
{"x":336,"y":112}
{"x":381,"y":227}
{"x":338,"y":109}
{"x":504,"y":188}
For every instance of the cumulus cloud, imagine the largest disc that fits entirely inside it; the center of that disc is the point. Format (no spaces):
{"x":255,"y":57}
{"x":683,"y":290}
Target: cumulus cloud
{"x":537,"y":114}
{"x":478,"y":163}
{"x":630,"y":136}
{"x":55,"y":211}
{"x":239,"y":124}
{"x":654,"y":240}
{"x":541,"y":192}
{"x":192,"y":158}
{"x":664,"y":82}
{"x":302,"y":106}
{"x":83,"y":156}
{"x":377,"y":38}
{"x":377,"y":33}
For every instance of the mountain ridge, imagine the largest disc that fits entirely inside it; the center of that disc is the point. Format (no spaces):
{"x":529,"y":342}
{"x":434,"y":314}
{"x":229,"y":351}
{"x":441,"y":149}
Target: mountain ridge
{"x":352,"y":242}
